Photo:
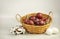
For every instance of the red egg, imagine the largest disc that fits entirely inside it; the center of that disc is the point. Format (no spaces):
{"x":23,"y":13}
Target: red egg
{"x":36,"y":20}
{"x":31,"y":22}
{"x":39,"y":15}
{"x":26,"y":21}
{"x":42,"y":22}
{"x":32,"y":17}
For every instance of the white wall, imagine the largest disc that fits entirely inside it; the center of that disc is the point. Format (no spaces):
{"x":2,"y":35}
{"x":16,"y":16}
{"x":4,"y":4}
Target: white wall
{"x":9,"y":8}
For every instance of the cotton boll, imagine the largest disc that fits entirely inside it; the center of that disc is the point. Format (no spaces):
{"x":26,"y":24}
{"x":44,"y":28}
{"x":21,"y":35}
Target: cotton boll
{"x":18,"y":33}
{"x":52,"y":30}
{"x":49,"y":31}
{"x":21,"y":30}
{"x":17,"y":30}
{"x":55,"y":30}
{"x":12,"y":30}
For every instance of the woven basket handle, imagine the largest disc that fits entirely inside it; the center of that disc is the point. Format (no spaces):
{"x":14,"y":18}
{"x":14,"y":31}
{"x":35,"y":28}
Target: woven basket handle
{"x":18,"y":17}
{"x":51,"y":14}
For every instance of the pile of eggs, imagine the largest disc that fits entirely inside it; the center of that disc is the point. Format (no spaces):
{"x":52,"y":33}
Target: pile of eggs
{"x":38,"y":19}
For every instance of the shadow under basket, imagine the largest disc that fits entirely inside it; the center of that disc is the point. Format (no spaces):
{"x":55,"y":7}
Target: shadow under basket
{"x":35,"y":29}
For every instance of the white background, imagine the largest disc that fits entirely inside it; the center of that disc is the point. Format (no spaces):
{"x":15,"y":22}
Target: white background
{"x":9,"y":8}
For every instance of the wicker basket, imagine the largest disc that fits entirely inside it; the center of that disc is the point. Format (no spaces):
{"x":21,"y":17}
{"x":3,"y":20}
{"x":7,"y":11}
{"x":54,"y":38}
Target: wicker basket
{"x":34,"y":28}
